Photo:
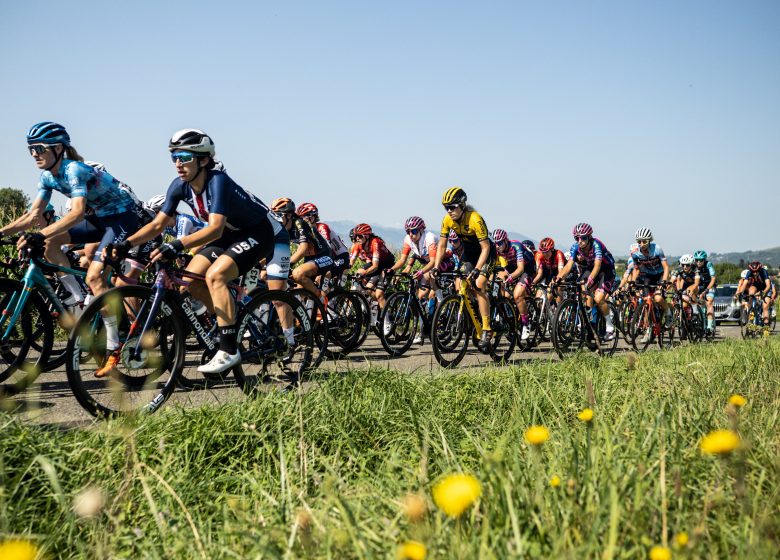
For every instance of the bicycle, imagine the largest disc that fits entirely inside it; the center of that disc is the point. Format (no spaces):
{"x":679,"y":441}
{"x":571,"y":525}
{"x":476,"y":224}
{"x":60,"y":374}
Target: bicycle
{"x":404,"y":318}
{"x":575,"y":324}
{"x":153,"y":323}
{"x":688,"y":324}
{"x":456,"y":321}
{"x":751,"y":318}
{"x":647,"y":323}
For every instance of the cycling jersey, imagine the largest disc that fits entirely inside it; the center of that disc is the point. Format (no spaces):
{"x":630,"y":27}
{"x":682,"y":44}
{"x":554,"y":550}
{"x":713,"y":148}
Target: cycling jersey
{"x":185,"y":225}
{"x":757,"y":279}
{"x":650,"y":263}
{"x":373,"y":251}
{"x":471,"y":227}
{"x":513,"y":255}
{"x":76,"y":179}
{"x":707,"y":273}
{"x":689,"y":277}
{"x":425,"y":248}
{"x":596,"y":251}
{"x":337,"y":245}
{"x":550,"y":265}
{"x":302,"y":232}
{"x":243,"y":210}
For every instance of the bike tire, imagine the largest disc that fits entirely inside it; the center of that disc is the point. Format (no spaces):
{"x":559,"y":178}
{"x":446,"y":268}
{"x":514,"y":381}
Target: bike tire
{"x":402,"y":316}
{"x":568,"y":330}
{"x":450,"y":332}
{"x":505,"y":333}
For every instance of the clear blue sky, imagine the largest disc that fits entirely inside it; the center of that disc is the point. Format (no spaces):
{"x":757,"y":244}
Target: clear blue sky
{"x":623,"y":114}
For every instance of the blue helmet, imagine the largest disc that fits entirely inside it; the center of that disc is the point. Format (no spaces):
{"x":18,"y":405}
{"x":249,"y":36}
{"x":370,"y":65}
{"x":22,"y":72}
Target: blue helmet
{"x":48,"y":133}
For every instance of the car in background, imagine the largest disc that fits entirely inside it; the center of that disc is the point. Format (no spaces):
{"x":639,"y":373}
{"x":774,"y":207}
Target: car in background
{"x":725,"y":308}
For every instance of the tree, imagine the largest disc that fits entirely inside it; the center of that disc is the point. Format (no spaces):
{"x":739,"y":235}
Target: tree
{"x":13,"y":203}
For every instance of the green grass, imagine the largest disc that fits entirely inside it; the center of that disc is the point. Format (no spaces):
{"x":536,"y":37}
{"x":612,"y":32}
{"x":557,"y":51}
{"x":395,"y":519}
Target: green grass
{"x":323,"y":474}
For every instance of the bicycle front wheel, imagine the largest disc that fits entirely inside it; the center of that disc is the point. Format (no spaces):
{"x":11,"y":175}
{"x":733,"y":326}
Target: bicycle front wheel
{"x":568,"y":328}
{"x":505,"y":333}
{"x":145,"y":341}
{"x":450,"y":332}
{"x":400,"y":321}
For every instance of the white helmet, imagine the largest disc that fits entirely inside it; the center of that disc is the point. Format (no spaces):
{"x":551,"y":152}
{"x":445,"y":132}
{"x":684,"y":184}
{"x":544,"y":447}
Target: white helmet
{"x":633,"y":248}
{"x":643,"y":234}
{"x":192,"y":140}
{"x":155,"y":203}
{"x":686,"y":259}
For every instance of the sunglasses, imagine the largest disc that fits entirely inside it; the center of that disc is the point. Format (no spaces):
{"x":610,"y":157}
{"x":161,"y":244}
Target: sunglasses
{"x":449,"y":207}
{"x":455,"y":241}
{"x":38,"y":149}
{"x":644,"y":242}
{"x":413,"y":231}
{"x":182,"y":157}
{"x":581,"y":237}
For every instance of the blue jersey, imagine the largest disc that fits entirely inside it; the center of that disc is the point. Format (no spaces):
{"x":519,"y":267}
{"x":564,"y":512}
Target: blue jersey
{"x":757,"y":278}
{"x":185,"y":225}
{"x":76,"y":179}
{"x":596,"y":251}
{"x":651,"y":262}
{"x":518,"y":253}
{"x":243,"y":210}
{"x":707,"y":273}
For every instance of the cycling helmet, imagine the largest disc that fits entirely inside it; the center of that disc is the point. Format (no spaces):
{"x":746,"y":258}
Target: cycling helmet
{"x":415,"y":222}
{"x":686,"y":259}
{"x":633,"y":248}
{"x":306,"y":209}
{"x":192,"y":140}
{"x":700,"y":256}
{"x":755,"y":265}
{"x":643,"y":234}
{"x":363,"y":229}
{"x":528,"y":244}
{"x":454,"y":195}
{"x":48,"y":133}
{"x":352,"y":235}
{"x":582,"y":229}
{"x":500,"y":235}
{"x":283,"y":206}
{"x":49,"y":208}
{"x":453,"y":236}
{"x":155,"y":203}
{"x":546,"y":244}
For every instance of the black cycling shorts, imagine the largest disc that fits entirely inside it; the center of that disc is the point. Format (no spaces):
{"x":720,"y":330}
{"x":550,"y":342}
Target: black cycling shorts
{"x":105,"y":229}
{"x":245,"y":248}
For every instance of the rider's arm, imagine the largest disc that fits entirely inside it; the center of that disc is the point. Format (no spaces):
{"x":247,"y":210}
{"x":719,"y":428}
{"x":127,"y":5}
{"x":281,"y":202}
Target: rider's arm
{"x":74,"y":217}
{"x":483,"y":256}
{"x":151,"y":230}
{"x":634,"y":274}
{"x":26,"y":220}
{"x":566,"y":270}
{"x":665,"y":276}
{"x":401,"y":260}
{"x":596,"y":269}
{"x":440,"y":250}
{"x":211,"y":232}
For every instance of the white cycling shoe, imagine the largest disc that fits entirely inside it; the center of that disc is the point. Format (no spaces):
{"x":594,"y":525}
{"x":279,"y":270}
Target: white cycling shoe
{"x":220,"y":362}
{"x":526,"y":333}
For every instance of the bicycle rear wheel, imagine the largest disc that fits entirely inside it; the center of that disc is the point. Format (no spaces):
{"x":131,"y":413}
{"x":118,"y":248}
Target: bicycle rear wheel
{"x":641,"y":327}
{"x":150,"y":353}
{"x":568,"y":328}
{"x":505,"y":333}
{"x":450,"y":332}
{"x":267,"y":353}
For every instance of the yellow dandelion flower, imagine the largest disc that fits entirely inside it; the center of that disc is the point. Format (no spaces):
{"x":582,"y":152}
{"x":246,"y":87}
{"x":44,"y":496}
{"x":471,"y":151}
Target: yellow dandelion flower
{"x":456,"y":492}
{"x":537,"y":435}
{"x":411,"y":550}
{"x":555,"y":481}
{"x":737,"y":400}
{"x":719,"y":442}
{"x":586,"y":415}
{"x":18,"y":550}
{"x":681,"y":539}
{"x":660,"y":553}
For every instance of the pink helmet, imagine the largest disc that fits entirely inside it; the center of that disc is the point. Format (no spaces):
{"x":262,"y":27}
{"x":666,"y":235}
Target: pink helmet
{"x":500,"y":235}
{"x":453,"y":236}
{"x":582,"y":229}
{"x":415,"y":222}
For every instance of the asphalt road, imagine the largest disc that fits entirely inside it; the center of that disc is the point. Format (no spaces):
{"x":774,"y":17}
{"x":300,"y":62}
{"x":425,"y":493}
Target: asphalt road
{"x":50,"y":401}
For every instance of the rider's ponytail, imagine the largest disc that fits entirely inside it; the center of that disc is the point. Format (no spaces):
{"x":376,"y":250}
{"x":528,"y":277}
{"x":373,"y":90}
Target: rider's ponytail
{"x":72,"y":154}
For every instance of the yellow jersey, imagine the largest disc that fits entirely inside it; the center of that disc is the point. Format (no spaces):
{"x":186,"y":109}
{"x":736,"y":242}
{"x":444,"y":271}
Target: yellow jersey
{"x":471,"y":227}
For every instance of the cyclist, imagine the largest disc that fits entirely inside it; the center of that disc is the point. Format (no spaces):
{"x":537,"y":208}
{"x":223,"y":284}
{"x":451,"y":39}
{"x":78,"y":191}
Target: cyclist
{"x":549,"y":262}
{"x":478,"y":251}
{"x":421,"y":245}
{"x":688,"y":279}
{"x":311,"y":248}
{"x":651,"y":269}
{"x":100,"y":210}
{"x":757,"y":281}
{"x":596,"y":266}
{"x":519,"y":268}
{"x":707,"y":286}
{"x":239,"y":233}
{"x":339,"y":250}
{"x":376,"y":257}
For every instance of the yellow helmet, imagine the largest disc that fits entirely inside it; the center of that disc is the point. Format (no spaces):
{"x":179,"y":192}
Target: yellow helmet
{"x":454,"y":195}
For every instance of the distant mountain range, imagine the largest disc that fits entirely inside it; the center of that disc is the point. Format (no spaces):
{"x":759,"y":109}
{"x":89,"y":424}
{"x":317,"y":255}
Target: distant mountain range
{"x":394,"y":237}
{"x":766,"y":256}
